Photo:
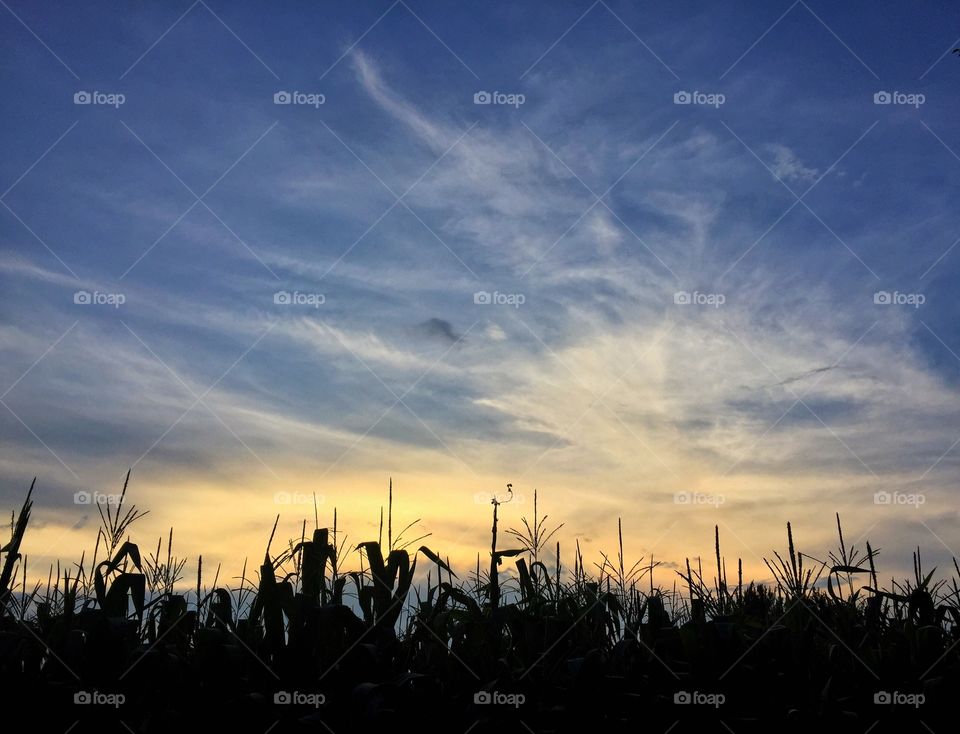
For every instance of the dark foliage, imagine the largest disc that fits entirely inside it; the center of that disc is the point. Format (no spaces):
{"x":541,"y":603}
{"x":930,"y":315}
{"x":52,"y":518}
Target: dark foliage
{"x":120,"y":644}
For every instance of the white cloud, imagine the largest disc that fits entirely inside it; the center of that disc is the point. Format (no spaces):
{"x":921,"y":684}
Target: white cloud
{"x":788,"y":166}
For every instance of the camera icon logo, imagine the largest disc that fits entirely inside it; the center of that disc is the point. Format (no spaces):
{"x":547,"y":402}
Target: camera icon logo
{"x":882,"y":298}
{"x":482,"y":697}
{"x":482,"y":298}
{"x":482,"y":98}
{"x":882,"y":98}
{"x":681,"y":498}
{"x":882,"y":498}
{"x":82,"y":697}
{"x":682,"y":298}
{"x":282,"y":98}
{"x":281,"y":697}
{"x":82,"y":98}
{"x":282,"y":298}
{"x":82,"y":498}
{"x":881,"y":697}
{"x":82,"y":298}
{"x":682,"y":97}
{"x":681,"y":697}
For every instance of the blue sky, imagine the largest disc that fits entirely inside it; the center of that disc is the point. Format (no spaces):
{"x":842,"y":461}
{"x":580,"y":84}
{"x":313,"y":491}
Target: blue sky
{"x":784,"y":199}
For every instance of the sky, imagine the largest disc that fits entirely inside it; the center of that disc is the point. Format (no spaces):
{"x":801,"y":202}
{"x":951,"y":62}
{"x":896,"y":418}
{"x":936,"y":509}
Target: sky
{"x":684,"y":264}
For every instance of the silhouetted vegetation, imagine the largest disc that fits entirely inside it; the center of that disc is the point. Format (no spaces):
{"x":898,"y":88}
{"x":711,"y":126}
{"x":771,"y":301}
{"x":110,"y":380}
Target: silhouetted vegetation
{"x":537,"y":640}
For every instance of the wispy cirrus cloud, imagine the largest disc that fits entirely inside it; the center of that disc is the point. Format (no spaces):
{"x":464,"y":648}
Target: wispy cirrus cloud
{"x":582,"y":374}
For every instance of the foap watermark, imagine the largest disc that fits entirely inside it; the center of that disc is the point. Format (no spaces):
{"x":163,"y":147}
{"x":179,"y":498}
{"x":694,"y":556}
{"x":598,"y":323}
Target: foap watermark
{"x":899,"y":498}
{"x":306,"y":99}
{"x":298,"y":698}
{"x":499,"y":98}
{"x":97,"y":698}
{"x":486,"y":298}
{"x":96,"y":498}
{"x":698,"y":498}
{"x":896,"y":698}
{"x":903,"y":98}
{"x":86,"y":298}
{"x":706,"y":99}
{"x":297,"y":298}
{"x":886,"y":298}
{"x":109,"y":99}
{"x":496,"y":698}
{"x":697,"y":698}
{"x":685,"y":298}
{"x":297,"y":498}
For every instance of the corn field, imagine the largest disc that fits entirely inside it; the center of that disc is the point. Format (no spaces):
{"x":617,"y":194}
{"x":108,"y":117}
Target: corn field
{"x":533,"y":638}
